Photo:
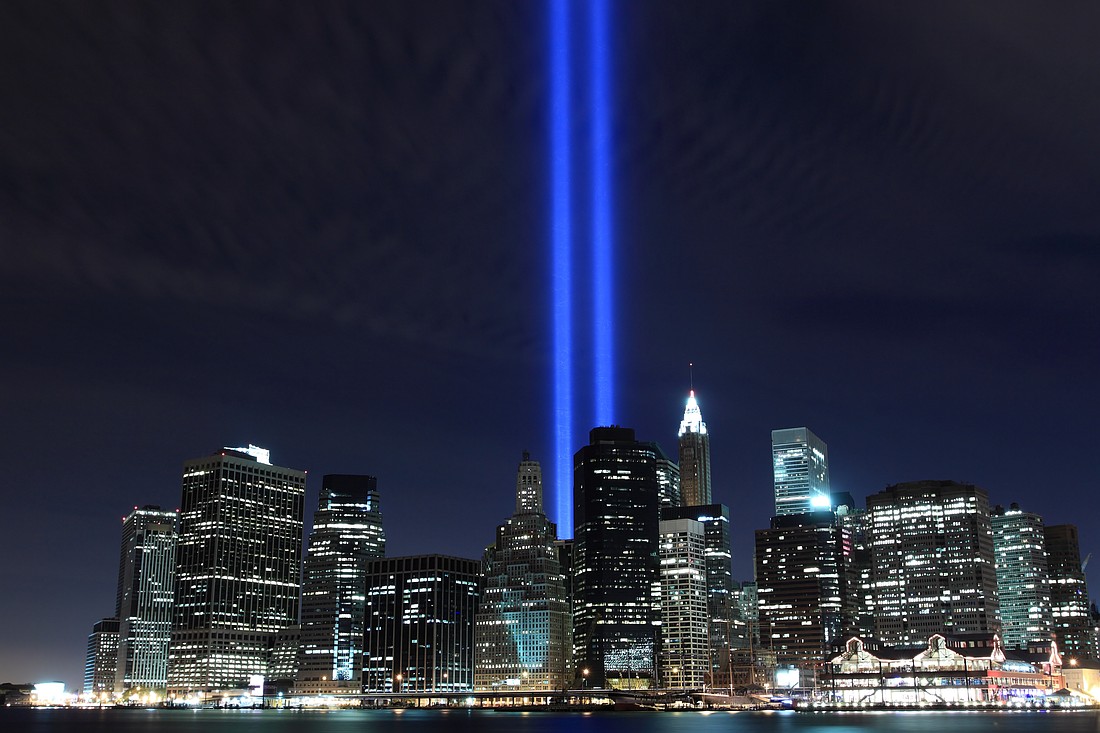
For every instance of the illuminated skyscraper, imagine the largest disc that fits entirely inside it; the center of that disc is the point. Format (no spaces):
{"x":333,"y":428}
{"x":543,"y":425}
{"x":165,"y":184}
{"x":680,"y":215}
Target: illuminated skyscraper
{"x":616,"y":582}
{"x":694,"y":456}
{"x":347,"y":534}
{"x":931,"y":561}
{"x":726,"y":628}
{"x":1069,"y":594}
{"x":685,"y":647}
{"x":802,"y":586}
{"x":1023,"y":588}
{"x":523,"y":631}
{"x":800,"y":464}
{"x":419,"y":634}
{"x":668,"y":480}
{"x":238,"y":570}
{"x":101,"y":658}
{"x":146,"y":579}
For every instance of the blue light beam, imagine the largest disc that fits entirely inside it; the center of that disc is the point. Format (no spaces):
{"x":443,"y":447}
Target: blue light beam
{"x":603,"y":346}
{"x":562,"y":288}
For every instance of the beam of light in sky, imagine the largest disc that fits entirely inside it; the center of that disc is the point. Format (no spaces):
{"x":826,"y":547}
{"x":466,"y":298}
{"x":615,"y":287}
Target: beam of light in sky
{"x":562,"y":289}
{"x":602,"y":245}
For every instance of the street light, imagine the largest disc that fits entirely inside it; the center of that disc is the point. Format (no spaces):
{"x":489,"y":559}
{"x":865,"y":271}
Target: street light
{"x":584,"y":674}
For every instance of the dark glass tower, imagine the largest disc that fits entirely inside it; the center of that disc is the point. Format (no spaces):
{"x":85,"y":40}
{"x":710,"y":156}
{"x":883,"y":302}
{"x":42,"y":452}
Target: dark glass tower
{"x":616,"y":605}
{"x":420,"y":624}
{"x":1069,"y":594}
{"x":347,"y":534}
{"x":523,"y":631}
{"x":146,"y":578}
{"x":238,"y":571}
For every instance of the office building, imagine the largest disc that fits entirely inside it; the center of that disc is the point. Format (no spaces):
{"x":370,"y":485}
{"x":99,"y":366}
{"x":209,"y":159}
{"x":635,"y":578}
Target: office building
{"x":101,"y":659}
{"x":932,"y":561}
{"x":419,"y":630}
{"x":146,"y":583}
{"x":238,"y":568}
{"x":347,"y":534}
{"x":1069,"y":594}
{"x":802,"y":586}
{"x":726,"y":628}
{"x":800,"y":471}
{"x":616,"y":585}
{"x":694,"y":456}
{"x":685,"y":647}
{"x":524,"y":630}
{"x":668,"y":480}
{"x":1023,"y":588}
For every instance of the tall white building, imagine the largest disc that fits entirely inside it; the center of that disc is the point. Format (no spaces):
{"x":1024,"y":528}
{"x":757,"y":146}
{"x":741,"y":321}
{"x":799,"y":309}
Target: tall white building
{"x":931,"y":561}
{"x":146,"y":578}
{"x":685,"y":647}
{"x":800,"y":470}
{"x":1022,"y":577}
{"x":238,"y":569}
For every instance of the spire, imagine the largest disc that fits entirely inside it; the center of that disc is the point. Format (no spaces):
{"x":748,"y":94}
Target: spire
{"x":693,"y":419}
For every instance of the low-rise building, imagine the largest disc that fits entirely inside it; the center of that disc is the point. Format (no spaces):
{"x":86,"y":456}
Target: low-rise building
{"x":970,"y":668}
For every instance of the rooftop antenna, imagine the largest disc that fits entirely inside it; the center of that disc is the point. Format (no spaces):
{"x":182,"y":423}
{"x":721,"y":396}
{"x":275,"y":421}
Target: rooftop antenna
{"x":691,"y":376}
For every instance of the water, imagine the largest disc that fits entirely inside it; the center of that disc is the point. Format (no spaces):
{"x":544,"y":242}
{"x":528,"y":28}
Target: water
{"x":17,"y":720}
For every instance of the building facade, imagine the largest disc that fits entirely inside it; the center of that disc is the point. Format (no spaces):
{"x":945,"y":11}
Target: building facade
{"x":668,"y":480}
{"x":146,"y":584}
{"x":1069,"y":593}
{"x":946,"y":670}
{"x":726,"y":629}
{"x":1023,"y":587}
{"x":347,"y":534}
{"x":523,"y":632}
{"x":101,"y":658}
{"x":238,"y":568}
{"x":694,"y":456}
{"x":800,"y":471}
{"x":616,"y":582}
{"x":685,"y":646}
{"x":932,"y":561}
{"x":419,"y":624}
{"x":802,"y":586}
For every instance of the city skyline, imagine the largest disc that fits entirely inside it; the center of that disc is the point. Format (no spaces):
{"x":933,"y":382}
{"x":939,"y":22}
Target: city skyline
{"x":324,"y":232}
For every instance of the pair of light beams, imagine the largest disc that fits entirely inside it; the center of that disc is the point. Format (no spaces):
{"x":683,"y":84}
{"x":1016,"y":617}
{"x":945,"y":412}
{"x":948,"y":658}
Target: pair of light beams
{"x":564,"y":234}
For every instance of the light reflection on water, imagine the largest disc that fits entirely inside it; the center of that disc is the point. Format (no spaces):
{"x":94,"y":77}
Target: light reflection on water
{"x":460,"y":721}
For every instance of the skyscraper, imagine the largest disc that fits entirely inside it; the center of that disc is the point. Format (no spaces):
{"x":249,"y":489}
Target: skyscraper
{"x":800,"y":465}
{"x":1069,"y":594}
{"x":932,"y":561}
{"x":694,"y":456}
{"x":685,"y":651}
{"x":239,"y":560}
{"x":802,"y":586}
{"x":146,"y":580}
{"x":668,"y":480}
{"x":1023,"y":587}
{"x":347,"y":534}
{"x":616,"y":585}
{"x":101,"y":658}
{"x":419,"y":634}
{"x":726,"y":628}
{"x":524,"y":632}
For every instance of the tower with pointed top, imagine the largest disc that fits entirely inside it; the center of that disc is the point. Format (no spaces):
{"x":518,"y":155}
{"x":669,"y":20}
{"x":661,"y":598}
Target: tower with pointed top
{"x":523,"y":630}
{"x":694,"y":456}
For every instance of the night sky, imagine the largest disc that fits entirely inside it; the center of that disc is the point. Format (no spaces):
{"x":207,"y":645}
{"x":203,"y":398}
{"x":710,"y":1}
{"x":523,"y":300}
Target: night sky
{"x":323,"y":228}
